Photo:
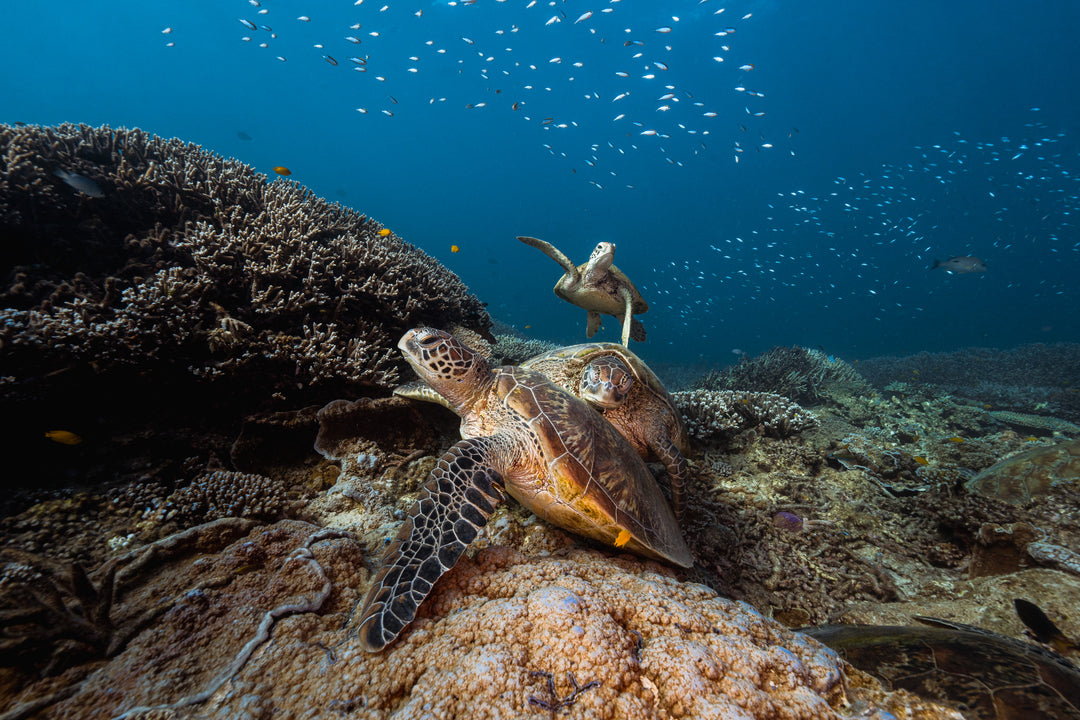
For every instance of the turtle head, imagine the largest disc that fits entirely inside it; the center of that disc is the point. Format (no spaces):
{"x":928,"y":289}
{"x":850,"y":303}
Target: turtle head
{"x":602,"y":256}
{"x":606,"y":382}
{"x":449,"y":366}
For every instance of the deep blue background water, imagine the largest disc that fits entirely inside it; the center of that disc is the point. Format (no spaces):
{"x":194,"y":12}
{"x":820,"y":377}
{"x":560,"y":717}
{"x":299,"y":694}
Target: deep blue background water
{"x":900,"y":133}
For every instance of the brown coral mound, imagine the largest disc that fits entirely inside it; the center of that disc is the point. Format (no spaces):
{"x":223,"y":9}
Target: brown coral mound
{"x":186,"y":285}
{"x":193,"y":261}
{"x":503,"y":636}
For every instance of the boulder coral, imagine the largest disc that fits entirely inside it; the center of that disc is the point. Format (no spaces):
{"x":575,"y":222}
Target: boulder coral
{"x":504,"y":635}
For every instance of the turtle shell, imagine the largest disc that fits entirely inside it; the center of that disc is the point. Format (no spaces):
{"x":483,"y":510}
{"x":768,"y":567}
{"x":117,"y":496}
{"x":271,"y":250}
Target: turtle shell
{"x":980,"y":673}
{"x":1030,"y":473}
{"x":648,"y":401}
{"x":580,"y":473}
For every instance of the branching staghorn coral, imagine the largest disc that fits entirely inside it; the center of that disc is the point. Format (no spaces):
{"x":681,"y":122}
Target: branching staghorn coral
{"x":803,"y":374}
{"x":712,"y":414}
{"x":192,"y":261}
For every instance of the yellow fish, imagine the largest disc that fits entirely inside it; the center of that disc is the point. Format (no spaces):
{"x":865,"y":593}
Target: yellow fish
{"x":63,"y":437}
{"x":282,"y":170}
{"x":623,"y":538}
{"x":454,"y":248}
{"x":921,"y":460}
{"x":384,"y":232}
{"x":956,"y":439}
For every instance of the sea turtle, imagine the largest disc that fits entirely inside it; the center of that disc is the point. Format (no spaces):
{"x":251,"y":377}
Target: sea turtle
{"x":618,"y":384}
{"x":980,"y":673}
{"x":524,"y":436}
{"x":622,"y":388}
{"x":599,"y":287}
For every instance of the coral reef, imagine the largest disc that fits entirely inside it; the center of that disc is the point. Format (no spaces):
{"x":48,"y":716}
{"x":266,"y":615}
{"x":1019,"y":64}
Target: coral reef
{"x":1043,"y":375}
{"x":515,"y":349}
{"x":183,"y":295}
{"x":504,"y":635}
{"x":222,"y":493}
{"x":192,"y":261}
{"x":803,"y":374}
{"x":721,"y":414}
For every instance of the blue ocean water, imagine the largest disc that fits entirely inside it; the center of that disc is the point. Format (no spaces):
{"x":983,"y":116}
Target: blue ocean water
{"x":772,"y":173}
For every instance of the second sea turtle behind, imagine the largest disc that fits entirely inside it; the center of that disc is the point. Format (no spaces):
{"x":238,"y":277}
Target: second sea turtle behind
{"x":598,"y":287}
{"x":630,"y":396}
{"x":524,"y":436}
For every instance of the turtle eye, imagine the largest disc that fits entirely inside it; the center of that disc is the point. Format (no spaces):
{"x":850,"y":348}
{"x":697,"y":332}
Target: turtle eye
{"x":428,"y":339}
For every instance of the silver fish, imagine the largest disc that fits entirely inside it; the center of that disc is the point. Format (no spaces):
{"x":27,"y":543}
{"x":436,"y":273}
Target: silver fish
{"x":960,"y":264}
{"x":80,"y":182}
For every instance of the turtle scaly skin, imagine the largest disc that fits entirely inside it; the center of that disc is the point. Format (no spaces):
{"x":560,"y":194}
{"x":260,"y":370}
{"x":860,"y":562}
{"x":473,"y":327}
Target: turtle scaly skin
{"x":598,"y":287}
{"x":522,"y":436}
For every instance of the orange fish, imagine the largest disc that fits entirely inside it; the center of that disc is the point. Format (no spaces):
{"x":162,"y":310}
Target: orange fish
{"x":282,"y":170}
{"x":384,"y":232}
{"x":63,"y":437}
{"x":454,"y":248}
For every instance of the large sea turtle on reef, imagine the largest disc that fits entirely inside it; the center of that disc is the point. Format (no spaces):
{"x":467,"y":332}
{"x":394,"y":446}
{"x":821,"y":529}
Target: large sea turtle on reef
{"x":522,"y":436}
{"x":621,"y":387}
{"x":599,"y":287}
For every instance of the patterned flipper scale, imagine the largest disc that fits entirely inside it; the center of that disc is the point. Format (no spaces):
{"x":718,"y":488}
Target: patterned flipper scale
{"x":453,"y":506}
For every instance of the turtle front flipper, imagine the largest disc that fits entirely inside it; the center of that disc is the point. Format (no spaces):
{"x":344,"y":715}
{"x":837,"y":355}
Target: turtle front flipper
{"x":418,"y":390}
{"x":552,"y":252}
{"x":593,"y":324}
{"x":628,"y":316}
{"x":453,"y":506}
{"x":675,"y":464}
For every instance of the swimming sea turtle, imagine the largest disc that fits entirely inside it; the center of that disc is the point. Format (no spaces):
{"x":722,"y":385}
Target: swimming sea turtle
{"x":599,"y":287}
{"x":526,"y":437}
{"x":980,"y":673}
{"x":618,"y":384}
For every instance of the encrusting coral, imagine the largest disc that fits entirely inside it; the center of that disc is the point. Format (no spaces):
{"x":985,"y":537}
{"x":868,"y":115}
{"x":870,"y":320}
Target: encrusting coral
{"x":192,"y":262}
{"x":504,"y":635}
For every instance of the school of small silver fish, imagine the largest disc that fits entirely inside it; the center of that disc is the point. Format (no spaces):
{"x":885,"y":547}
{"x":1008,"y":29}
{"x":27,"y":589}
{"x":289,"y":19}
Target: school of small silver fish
{"x":1013,"y":202}
{"x":595,"y":86}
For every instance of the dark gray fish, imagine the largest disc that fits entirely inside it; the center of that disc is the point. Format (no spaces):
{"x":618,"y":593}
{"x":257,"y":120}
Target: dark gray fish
{"x":960,"y":264}
{"x":1043,"y":628}
{"x":80,"y":182}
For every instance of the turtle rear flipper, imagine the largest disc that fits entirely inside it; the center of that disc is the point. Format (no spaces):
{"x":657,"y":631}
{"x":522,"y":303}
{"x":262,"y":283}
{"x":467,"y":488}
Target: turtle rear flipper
{"x":637,"y":330}
{"x":593,"y":323}
{"x":453,"y":506}
{"x":552,"y":252}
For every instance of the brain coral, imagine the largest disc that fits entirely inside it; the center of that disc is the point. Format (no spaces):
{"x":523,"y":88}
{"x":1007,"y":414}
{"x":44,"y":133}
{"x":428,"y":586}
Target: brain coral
{"x":503,"y":636}
{"x":191,"y":263}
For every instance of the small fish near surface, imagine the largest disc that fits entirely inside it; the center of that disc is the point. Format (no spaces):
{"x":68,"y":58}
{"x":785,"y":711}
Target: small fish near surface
{"x":960,"y":264}
{"x":80,"y":182}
